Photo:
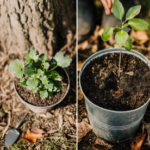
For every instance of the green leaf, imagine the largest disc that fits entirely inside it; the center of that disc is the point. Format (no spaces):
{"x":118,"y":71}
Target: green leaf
{"x":53,"y":62}
{"x":107,"y":33}
{"x":120,"y":38}
{"x":35,"y":90}
{"x":49,"y":86}
{"x":128,"y":44}
{"x":44,"y":79}
{"x":16,"y":67}
{"x":46,"y":65}
{"x":138,"y":24}
{"x":125,"y":25}
{"x":31,"y":56}
{"x":126,"y":29}
{"x":43,"y":93}
{"x":118,"y":9}
{"x":40,"y":73}
{"x":62,"y":61}
{"x":32,"y":83}
{"x":57,"y":87}
{"x":29,"y":70}
{"x":55,"y":75}
{"x":133,"y":11}
{"x":23,"y":82}
{"x":50,"y":94}
{"x":43,"y":57}
{"x":116,"y":29}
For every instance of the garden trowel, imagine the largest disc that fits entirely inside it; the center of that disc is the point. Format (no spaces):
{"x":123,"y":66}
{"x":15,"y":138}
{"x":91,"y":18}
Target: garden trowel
{"x":13,"y":134}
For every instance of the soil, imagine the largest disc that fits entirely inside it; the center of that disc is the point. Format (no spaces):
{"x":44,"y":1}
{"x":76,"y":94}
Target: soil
{"x":129,"y":91}
{"x":35,"y":99}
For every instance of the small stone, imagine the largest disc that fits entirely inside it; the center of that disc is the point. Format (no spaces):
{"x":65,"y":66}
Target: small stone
{"x":102,"y":86}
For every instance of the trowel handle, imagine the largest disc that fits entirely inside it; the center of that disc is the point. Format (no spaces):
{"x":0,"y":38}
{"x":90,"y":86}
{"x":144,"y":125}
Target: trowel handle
{"x":20,"y":122}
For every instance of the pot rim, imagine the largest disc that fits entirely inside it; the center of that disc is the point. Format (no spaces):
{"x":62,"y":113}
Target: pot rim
{"x":95,"y":55}
{"x":67,"y":90}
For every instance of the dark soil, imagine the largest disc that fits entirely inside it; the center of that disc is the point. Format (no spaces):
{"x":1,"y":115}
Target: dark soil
{"x":101,"y":84}
{"x":34,"y":98}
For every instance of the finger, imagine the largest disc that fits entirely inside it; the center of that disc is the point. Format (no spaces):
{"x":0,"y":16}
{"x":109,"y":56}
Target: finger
{"x":111,"y":10}
{"x":112,"y":1}
{"x":109,"y":3}
{"x":107,"y":9}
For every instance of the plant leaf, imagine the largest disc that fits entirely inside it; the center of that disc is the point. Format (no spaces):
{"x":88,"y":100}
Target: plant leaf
{"x":49,"y":86}
{"x":44,"y":79}
{"x":50,"y":94}
{"x":107,"y":33}
{"x":43,"y":93}
{"x":126,"y":29}
{"x":43,"y":57}
{"x":128,"y":44}
{"x":29,"y":70}
{"x":120,"y":38}
{"x":35,"y":90}
{"x":138,"y":24}
{"x":116,"y":29}
{"x":62,"y":61}
{"x":23,"y":82}
{"x":55,"y":75}
{"x":46,"y":65}
{"x":118,"y":9}
{"x":31,"y":56}
{"x":133,"y":11}
{"x":32,"y":83}
{"x":40,"y":73}
{"x":57,"y":87}
{"x":17,"y":67}
{"x":125,"y":25}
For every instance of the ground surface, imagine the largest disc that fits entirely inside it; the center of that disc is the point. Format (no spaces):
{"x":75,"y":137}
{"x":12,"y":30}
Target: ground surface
{"x":58,"y":124}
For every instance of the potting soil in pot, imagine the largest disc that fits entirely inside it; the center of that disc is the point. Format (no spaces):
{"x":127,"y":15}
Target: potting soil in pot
{"x":34,"y":98}
{"x":102,"y":86}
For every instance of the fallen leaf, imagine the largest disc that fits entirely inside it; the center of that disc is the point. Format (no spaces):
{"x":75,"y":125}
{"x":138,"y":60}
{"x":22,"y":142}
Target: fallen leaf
{"x":130,"y":73}
{"x":101,"y":142}
{"x":136,"y":145}
{"x":82,"y":46}
{"x":71,"y":120}
{"x":80,"y":63}
{"x":147,"y":127}
{"x":83,"y":129}
{"x":80,"y":95}
{"x":32,"y":137}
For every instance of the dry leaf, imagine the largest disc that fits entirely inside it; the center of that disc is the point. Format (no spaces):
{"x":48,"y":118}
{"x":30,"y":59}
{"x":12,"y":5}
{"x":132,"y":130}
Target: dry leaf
{"x":147,"y":127}
{"x":138,"y":142}
{"x":117,"y":92}
{"x":83,"y":129}
{"x":71,"y":120}
{"x":130,"y":73}
{"x":80,"y":63}
{"x":80,"y":95}
{"x":82,"y":46}
{"x":32,"y":137}
{"x":101,"y":142}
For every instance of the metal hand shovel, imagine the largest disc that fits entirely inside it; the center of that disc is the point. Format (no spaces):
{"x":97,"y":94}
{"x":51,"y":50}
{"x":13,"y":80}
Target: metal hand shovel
{"x":13,"y":134}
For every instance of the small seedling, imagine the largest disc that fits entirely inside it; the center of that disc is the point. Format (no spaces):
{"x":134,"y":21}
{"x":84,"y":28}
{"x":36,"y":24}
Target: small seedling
{"x":122,"y":37}
{"x":39,"y":74}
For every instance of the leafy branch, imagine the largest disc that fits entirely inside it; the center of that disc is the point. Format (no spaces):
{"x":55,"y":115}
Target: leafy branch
{"x":122,"y":37}
{"x":39,"y":74}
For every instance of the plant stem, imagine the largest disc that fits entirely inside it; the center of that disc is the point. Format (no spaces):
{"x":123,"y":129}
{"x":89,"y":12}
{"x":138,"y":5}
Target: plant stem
{"x":54,"y":68}
{"x":119,"y":61}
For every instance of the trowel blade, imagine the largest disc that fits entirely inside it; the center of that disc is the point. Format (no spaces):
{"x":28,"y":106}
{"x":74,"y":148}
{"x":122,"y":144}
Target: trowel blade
{"x":11,"y":137}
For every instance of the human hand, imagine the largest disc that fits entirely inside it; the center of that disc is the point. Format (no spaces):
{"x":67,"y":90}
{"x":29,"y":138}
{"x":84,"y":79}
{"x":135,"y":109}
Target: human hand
{"x":107,"y":6}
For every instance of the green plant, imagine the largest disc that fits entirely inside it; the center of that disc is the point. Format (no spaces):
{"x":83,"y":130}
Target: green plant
{"x":121,"y":32}
{"x":39,"y":74}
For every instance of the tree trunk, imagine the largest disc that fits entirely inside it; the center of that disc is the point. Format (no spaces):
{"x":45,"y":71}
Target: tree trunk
{"x":46,"y":25}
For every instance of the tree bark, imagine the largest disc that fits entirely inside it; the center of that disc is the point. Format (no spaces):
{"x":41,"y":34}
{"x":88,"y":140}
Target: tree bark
{"x":46,"y":25}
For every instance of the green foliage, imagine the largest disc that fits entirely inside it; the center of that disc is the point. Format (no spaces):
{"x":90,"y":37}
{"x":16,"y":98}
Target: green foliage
{"x":39,"y":74}
{"x":122,"y":38}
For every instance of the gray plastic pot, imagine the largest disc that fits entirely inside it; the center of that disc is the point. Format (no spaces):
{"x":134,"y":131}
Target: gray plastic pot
{"x":114,"y":126}
{"x":44,"y":109}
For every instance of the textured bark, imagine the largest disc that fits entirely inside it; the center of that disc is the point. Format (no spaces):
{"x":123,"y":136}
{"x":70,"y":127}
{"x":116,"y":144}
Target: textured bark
{"x":45,"y":25}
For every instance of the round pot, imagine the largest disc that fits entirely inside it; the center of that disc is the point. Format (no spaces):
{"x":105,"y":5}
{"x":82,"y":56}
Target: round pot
{"x":114,"y":126}
{"x":44,"y":109}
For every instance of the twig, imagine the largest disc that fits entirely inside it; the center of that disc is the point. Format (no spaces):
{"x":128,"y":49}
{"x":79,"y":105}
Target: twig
{"x":120,"y":61}
{"x":5,"y":130}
